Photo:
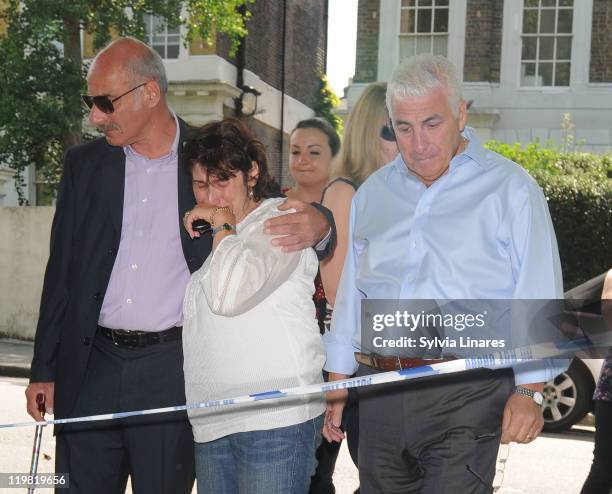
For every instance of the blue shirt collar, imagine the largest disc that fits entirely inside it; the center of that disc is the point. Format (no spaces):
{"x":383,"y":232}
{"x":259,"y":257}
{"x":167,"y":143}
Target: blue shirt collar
{"x":474,"y":149}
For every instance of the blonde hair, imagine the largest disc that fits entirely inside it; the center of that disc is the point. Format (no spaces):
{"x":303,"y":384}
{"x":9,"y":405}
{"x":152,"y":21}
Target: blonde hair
{"x":360,"y":150}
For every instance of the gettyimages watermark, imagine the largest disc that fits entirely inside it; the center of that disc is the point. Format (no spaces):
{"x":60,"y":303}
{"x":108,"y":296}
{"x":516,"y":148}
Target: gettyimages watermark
{"x":415,"y":323}
{"x":469,"y":328}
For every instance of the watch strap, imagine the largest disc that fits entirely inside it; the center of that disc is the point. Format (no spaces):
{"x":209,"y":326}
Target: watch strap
{"x":530,"y":393}
{"x":223,"y":227}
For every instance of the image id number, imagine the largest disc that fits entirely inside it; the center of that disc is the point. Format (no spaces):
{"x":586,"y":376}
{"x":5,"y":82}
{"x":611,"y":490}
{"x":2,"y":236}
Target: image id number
{"x":21,"y":480}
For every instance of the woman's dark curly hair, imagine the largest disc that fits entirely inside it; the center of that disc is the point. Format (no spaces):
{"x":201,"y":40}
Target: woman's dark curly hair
{"x":226,"y":147}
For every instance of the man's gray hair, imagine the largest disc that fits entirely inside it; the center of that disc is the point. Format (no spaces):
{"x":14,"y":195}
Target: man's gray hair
{"x":421,"y":74}
{"x":148,"y":67}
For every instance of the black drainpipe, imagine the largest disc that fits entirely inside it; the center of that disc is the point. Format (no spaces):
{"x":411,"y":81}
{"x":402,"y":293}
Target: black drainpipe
{"x":326,"y":21}
{"x":282,"y":89}
{"x":240,"y":63}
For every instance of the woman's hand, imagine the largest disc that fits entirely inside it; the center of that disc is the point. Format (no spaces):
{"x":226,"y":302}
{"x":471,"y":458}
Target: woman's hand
{"x":200,"y":212}
{"x":336,"y":400}
{"x":215,"y":215}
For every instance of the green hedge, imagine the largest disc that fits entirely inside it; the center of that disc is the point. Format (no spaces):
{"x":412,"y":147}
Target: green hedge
{"x":578,"y":187}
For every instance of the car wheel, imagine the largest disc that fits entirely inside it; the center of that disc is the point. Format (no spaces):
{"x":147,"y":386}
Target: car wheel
{"x":567,"y":398}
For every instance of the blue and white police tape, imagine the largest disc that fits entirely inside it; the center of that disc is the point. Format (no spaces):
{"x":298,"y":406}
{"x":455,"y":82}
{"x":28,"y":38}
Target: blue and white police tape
{"x":498,"y":360}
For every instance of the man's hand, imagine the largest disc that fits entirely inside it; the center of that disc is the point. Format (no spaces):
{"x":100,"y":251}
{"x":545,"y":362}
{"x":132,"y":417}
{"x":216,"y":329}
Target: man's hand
{"x":523,"y":420}
{"x":47,"y":389}
{"x":302,"y":229}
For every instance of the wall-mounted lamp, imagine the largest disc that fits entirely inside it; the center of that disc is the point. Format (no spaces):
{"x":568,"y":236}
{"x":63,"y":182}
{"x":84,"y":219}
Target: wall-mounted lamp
{"x":246,"y":103}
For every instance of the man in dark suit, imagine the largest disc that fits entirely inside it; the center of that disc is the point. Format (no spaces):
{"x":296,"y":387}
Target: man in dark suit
{"x":109,"y":333}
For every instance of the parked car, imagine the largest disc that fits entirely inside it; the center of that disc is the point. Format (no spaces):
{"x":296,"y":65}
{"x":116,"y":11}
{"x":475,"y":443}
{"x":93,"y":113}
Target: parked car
{"x":569,"y":396}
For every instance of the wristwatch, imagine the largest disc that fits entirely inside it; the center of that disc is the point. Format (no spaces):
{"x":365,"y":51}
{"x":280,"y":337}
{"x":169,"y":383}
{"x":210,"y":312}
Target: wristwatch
{"x":534,"y":395}
{"x":223,"y":227}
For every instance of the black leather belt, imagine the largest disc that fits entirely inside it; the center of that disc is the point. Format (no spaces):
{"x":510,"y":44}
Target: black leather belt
{"x":138,"y":339}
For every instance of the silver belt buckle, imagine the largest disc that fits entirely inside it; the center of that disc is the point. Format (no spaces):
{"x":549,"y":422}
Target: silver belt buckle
{"x":113,"y":337}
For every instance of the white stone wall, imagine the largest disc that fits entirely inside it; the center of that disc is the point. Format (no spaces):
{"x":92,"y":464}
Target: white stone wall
{"x":24,"y":249}
{"x":8,"y":193}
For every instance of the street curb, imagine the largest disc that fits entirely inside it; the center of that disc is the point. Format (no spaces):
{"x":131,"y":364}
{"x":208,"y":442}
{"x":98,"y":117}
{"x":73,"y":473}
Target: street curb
{"x":14,"y":371}
{"x":15,"y":357}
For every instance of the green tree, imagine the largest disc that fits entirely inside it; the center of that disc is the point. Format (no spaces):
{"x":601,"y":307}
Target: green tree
{"x":578,"y":189}
{"x":324,"y":102}
{"x":42,"y":73}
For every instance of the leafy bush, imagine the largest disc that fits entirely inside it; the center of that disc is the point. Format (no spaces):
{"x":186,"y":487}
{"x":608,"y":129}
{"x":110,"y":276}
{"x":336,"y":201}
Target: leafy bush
{"x":324,"y":101}
{"x":578,"y":188}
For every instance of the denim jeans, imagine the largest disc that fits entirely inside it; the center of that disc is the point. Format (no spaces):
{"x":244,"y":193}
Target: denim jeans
{"x":275,"y":461}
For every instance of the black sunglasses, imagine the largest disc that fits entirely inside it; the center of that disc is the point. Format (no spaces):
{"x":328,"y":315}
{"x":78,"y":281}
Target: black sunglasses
{"x":104,"y":103}
{"x":387,"y":133}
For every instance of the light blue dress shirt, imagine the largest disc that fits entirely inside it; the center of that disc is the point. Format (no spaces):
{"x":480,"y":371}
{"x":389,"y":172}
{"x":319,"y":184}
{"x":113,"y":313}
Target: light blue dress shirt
{"x":481,"y":231}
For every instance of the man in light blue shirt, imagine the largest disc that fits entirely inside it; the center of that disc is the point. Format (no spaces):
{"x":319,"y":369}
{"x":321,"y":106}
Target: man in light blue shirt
{"x":447,"y":219}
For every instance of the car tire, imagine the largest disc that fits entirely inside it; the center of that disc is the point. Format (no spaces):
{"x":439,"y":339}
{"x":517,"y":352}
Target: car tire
{"x":568,"y":397}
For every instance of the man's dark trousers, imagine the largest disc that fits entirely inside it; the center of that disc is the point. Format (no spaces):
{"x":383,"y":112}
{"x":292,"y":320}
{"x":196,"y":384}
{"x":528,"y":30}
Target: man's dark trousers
{"x":156,"y":449}
{"x":435,"y":436}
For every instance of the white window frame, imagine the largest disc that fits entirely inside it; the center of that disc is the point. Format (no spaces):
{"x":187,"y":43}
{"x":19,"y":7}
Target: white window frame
{"x":389,"y":37}
{"x":150,"y":34}
{"x":539,"y":36}
{"x":431,"y":34}
{"x":510,"y":73}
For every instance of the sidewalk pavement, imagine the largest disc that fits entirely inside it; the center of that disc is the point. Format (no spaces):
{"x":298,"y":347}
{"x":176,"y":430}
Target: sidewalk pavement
{"x":15,"y":357}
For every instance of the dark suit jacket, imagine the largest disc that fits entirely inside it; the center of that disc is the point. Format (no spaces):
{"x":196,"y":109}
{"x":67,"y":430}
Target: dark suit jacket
{"x":84,"y":242}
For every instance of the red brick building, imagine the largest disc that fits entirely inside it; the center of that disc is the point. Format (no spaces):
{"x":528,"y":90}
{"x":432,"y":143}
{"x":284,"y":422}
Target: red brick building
{"x":279,"y":58}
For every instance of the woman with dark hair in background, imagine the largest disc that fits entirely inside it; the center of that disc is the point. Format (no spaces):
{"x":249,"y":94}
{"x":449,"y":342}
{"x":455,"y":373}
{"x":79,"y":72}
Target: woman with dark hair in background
{"x":248,"y":325}
{"x":314,"y":144}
